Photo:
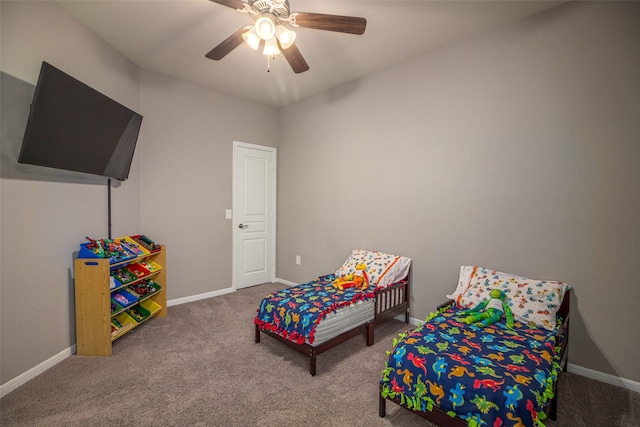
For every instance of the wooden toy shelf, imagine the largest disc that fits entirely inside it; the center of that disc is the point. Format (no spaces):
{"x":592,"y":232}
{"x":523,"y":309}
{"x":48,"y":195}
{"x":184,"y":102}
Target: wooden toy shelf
{"x":94,"y":316}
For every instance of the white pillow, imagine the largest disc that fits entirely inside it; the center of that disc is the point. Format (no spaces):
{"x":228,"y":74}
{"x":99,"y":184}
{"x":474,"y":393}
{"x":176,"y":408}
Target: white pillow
{"x":466,"y":271}
{"x":534,"y":302}
{"x":463,"y":281}
{"x":382,"y":269}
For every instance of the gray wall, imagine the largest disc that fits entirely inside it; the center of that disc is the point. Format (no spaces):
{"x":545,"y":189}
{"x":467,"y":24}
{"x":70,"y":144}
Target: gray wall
{"x":44,"y":217}
{"x":186,"y":174}
{"x":177,"y":192}
{"x":516,"y":150}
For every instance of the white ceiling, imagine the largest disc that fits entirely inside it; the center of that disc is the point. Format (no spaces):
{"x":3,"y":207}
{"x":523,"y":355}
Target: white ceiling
{"x":171,"y":37}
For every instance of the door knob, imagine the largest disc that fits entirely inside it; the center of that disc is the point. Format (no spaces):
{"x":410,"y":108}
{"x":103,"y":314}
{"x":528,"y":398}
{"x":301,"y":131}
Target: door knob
{"x":243,"y":226}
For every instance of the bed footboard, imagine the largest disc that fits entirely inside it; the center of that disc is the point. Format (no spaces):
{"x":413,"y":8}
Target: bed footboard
{"x":390,"y":302}
{"x":312,"y":351}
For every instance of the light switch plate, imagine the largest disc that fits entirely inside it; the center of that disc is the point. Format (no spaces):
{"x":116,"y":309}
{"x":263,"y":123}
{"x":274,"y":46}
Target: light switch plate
{"x":227,"y":214}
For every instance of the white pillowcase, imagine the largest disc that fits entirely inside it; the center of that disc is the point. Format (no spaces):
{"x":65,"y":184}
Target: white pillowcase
{"x":382,"y":269}
{"x":534,"y":302}
{"x":463,"y":281}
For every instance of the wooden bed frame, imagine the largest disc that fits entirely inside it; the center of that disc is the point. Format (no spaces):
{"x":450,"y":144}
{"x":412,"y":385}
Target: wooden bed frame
{"x":389,"y":302}
{"x":441,"y":418}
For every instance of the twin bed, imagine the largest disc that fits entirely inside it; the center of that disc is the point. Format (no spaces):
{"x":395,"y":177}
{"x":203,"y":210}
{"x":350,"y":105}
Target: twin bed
{"x":455,"y":374}
{"x":448,"y":372}
{"x":316,"y":316}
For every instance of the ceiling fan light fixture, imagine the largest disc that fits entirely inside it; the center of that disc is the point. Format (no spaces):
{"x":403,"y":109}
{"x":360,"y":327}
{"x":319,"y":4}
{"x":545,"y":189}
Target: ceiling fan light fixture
{"x":265,"y":27}
{"x":285,"y":36}
{"x":251,"y":38}
{"x":271,"y":47}
{"x":274,"y":23}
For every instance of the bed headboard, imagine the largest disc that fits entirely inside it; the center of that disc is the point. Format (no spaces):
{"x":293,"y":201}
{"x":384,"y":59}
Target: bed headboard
{"x":563,"y":311}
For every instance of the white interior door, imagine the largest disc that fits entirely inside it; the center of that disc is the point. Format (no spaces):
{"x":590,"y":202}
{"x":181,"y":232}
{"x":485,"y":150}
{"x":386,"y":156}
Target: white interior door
{"x":254,"y":172}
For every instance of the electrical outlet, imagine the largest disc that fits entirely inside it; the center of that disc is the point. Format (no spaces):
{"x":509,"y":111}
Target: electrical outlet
{"x":298,"y":260}
{"x":227,"y":214}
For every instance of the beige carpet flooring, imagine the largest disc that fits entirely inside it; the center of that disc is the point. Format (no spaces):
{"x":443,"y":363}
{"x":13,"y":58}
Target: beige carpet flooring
{"x":199,"y":366}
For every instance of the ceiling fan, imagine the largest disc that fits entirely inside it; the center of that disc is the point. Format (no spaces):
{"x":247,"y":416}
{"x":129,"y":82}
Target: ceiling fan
{"x":272,"y":29}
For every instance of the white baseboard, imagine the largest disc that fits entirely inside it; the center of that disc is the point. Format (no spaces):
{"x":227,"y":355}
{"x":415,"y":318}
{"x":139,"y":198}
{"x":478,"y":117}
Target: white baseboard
{"x":198,"y":297}
{"x":286,"y":282}
{"x":21,"y":379}
{"x":412,"y":320}
{"x":605,"y":378}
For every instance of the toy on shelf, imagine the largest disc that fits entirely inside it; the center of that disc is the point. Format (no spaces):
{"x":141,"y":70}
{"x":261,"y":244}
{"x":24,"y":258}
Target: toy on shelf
{"x":145,"y":288}
{"x":138,"y":313}
{"x":111,"y":249}
{"x":133,"y":246}
{"x":125,"y":298}
{"x":124,"y":276}
{"x":115,"y":307}
{"x":146,"y":242}
{"x":150,"y":266}
{"x":138,"y":270}
{"x":118,"y":250}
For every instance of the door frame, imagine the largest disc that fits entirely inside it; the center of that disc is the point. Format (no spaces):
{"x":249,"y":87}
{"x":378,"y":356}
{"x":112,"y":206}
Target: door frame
{"x":234,"y":206}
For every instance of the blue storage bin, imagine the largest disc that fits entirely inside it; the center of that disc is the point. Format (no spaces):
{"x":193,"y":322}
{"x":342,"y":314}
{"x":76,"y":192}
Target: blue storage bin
{"x":85,"y":253}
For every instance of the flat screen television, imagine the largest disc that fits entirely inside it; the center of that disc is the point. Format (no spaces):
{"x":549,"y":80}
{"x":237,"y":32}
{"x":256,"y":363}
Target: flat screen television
{"x":74,"y":127}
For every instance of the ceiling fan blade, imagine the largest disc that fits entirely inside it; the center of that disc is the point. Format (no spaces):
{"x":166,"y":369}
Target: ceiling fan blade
{"x":294,"y":58}
{"x":339,"y":23}
{"x":223,"y":49}
{"x":234,"y":4}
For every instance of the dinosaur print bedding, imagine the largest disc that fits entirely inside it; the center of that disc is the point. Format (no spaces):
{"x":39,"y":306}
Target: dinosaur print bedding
{"x":488,"y":376}
{"x":294,"y":313}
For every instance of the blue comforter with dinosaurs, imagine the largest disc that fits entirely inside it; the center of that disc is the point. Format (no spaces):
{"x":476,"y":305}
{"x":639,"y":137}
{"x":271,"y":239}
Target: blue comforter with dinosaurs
{"x":488,"y":376}
{"x":293,"y":313}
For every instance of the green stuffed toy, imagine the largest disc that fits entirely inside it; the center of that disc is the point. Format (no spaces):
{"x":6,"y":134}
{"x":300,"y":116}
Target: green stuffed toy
{"x":490,"y":311}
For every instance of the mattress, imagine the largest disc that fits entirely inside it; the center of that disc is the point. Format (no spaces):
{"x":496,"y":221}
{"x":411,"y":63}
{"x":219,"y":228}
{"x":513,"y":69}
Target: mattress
{"x":343,"y":320}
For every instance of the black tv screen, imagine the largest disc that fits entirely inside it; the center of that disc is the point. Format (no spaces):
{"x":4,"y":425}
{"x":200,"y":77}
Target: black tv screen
{"x":74,"y":127}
